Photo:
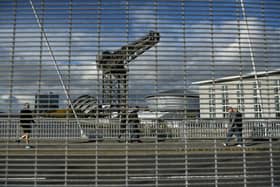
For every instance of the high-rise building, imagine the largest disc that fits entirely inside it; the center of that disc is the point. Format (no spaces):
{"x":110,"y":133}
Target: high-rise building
{"x":46,"y":102}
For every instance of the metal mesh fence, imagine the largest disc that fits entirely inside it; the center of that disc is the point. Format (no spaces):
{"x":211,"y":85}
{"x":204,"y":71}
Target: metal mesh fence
{"x":139,"y":93}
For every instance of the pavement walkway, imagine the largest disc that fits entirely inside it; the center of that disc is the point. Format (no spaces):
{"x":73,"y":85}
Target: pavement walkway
{"x":146,"y":147}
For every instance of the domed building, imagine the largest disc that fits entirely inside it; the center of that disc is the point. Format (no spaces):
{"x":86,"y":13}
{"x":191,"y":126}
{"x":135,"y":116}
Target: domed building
{"x":87,"y":106}
{"x":85,"y":103}
{"x":175,"y":102}
{"x":84,"y":106}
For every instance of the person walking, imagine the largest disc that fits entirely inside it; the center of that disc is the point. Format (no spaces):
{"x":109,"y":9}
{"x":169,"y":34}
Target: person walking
{"x":26,"y":120}
{"x":234,"y":126}
{"x":123,"y":120}
{"x":134,"y":122}
{"x":130,"y":124}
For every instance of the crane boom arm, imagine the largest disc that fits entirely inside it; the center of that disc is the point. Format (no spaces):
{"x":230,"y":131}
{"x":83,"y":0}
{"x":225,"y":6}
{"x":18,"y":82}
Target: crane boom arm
{"x":131,"y":51}
{"x":114,"y":61}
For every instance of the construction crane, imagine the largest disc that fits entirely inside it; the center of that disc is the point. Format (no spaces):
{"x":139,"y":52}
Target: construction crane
{"x":114,"y":67}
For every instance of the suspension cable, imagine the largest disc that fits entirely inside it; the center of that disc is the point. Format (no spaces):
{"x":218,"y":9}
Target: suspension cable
{"x":57,"y":68}
{"x":252,"y":56}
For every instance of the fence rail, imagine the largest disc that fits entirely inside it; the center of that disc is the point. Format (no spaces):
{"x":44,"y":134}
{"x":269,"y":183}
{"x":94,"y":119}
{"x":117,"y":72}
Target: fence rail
{"x":61,"y":128}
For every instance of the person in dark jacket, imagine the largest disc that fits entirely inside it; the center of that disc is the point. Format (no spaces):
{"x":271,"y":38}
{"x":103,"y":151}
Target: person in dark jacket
{"x":130,"y":124}
{"x":26,"y":120}
{"x":134,"y":122}
{"x":234,"y":126}
{"x":123,"y":119}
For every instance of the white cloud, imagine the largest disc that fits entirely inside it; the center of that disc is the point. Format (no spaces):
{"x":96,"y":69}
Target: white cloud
{"x":9,"y":103}
{"x":180,"y":57}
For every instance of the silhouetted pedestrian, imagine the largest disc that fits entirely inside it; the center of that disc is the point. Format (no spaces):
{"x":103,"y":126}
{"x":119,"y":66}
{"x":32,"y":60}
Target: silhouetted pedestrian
{"x":26,"y":121}
{"x":134,"y":122}
{"x":234,"y":126}
{"x":123,"y":120}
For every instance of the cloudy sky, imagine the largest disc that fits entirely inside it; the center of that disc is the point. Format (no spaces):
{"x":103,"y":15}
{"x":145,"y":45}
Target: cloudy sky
{"x":199,"y":40}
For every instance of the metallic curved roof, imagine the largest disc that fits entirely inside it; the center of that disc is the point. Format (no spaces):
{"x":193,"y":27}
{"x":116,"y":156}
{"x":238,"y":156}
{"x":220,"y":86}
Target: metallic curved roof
{"x":85,"y":103}
{"x":176,"y":93}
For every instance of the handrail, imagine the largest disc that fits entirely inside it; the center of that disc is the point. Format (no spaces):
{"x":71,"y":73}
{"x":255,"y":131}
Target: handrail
{"x":62,"y":128}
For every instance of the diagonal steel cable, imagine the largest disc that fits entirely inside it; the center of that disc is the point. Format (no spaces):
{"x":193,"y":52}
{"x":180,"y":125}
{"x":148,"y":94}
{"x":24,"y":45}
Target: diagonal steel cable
{"x":51,"y":53}
{"x":252,"y":55}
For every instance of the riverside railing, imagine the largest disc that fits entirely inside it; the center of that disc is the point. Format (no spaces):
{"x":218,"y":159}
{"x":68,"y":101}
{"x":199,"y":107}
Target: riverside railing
{"x":110,"y":129}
